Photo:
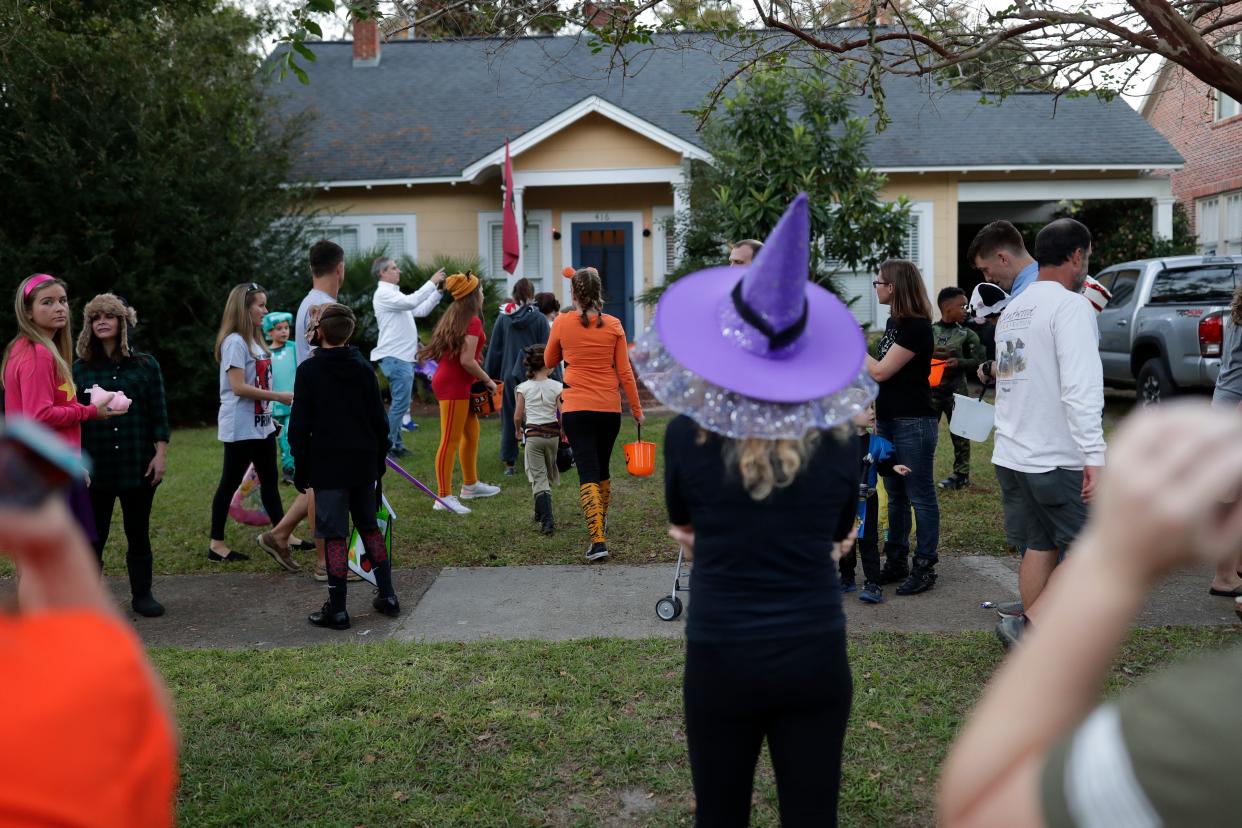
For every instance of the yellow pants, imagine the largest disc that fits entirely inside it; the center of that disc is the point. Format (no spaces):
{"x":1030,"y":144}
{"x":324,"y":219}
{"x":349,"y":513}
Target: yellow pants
{"x":459,"y":436}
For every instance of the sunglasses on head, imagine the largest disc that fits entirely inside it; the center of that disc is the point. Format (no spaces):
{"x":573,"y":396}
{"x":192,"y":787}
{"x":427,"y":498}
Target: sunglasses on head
{"x":255,"y":287}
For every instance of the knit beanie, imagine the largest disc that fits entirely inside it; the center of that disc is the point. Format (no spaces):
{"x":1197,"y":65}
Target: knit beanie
{"x":461,"y":285}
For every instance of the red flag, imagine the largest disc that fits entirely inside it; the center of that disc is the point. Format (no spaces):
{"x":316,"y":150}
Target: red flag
{"x":509,"y":236}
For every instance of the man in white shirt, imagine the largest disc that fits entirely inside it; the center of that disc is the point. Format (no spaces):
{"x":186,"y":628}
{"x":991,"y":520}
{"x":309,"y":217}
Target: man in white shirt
{"x":398,"y":337}
{"x":1049,"y":406}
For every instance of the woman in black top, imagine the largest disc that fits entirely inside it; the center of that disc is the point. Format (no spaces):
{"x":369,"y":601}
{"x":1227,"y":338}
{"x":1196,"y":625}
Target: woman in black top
{"x":761,"y":484}
{"x":906,"y":418}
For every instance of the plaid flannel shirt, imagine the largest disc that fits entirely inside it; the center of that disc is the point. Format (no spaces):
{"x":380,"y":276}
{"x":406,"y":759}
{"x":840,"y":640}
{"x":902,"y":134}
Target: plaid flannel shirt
{"x":121,"y":448}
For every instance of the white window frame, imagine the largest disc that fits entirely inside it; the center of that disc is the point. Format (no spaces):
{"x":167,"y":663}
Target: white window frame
{"x":1209,"y":231}
{"x":367,"y":224}
{"x":1227,"y":107}
{"x":542,"y":219}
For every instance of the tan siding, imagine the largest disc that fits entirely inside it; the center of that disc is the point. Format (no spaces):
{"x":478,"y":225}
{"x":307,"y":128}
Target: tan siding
{"x":595,"y":143}
{"x":941,"y":190}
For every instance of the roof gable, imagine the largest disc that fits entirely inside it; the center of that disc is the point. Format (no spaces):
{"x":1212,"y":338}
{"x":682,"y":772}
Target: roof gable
{"x":438,"y":110}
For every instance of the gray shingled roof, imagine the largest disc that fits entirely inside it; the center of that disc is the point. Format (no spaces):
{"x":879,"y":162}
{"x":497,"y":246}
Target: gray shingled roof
{"x":431,"y":108}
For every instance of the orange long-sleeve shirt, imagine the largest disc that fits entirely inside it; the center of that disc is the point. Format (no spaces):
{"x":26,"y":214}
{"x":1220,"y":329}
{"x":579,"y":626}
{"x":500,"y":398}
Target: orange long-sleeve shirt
{"x":596,"y":362}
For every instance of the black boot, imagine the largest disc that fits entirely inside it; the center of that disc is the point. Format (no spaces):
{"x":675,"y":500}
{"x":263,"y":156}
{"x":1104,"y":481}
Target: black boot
{"x":922,"y":578}
{"x":386,"y":601}
{"x":143,"y":602}
{"x":332,"y":614}
{"x":895,"y":569}
{"x":543,"y":507}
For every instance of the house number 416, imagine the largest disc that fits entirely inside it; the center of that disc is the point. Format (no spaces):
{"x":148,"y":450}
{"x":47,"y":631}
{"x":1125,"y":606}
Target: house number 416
{"x":603,"y":217}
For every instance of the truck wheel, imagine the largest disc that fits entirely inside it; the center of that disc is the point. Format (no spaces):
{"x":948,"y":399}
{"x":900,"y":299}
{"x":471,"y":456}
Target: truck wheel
{"x":1154,"y":382}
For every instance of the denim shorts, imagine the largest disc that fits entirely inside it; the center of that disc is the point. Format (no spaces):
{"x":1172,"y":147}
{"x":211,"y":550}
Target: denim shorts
{"x":1043,"y":510}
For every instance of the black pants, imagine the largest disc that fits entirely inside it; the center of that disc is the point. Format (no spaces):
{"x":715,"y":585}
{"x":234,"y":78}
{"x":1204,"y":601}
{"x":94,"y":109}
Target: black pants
{"x":794,"y":691}
{"x":592,"y":435}
{"x":136,"y":518}
{"x":238,"y":456}
{"x":867,"y":546}
{"x":334,"y":507}
{"x":961,"y":446}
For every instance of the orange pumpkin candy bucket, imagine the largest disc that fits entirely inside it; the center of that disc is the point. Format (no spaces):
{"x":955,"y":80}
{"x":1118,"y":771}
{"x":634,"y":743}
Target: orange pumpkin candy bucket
{"x":483,"y":403}
{"x":640,"y":456}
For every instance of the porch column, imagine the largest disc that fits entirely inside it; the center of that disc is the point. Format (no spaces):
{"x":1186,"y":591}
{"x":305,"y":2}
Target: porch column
{"x":680,"y":202}
{"x":519,"y":212}
{"x":1162,"y":217}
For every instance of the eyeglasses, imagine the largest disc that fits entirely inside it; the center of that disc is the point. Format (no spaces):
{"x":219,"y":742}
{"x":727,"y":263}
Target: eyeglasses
{"x":877,"y":284}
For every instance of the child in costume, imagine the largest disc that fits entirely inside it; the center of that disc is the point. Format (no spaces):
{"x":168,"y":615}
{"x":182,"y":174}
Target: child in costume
{"x":962,"y":351}
{"x":876,"y":458}
{"x":536,"y":420}
{"x":339,"y":435}
{"x":276,"y":327}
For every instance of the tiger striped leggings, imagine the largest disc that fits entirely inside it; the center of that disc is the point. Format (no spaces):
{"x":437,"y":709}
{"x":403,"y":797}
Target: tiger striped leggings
{"x":459,"y":437}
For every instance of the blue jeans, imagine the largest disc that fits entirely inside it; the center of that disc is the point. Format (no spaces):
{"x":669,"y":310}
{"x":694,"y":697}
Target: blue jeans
{"x":914,"y":439}
{"x":400,"y":376}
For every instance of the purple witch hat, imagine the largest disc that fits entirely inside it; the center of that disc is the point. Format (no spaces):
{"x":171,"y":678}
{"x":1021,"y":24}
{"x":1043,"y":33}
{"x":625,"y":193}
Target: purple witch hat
{"x":769,"y":354}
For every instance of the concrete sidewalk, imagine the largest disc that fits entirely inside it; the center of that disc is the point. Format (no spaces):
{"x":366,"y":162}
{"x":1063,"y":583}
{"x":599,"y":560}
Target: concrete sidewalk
{"x":555,"y":603}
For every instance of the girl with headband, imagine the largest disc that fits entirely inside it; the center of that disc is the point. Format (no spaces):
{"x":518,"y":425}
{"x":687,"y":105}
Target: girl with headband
{"x":457,"y":343}
{"x":38,"y":380}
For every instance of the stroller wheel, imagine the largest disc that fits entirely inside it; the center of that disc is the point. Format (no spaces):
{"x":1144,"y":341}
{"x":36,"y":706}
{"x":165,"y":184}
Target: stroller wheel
{"x":668,"y":608}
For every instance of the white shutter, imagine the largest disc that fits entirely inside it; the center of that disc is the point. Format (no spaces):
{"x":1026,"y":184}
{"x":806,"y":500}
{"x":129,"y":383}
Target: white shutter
{"x":391,"y":239}
{"x":496,"y":248}
{"x":857,"y":286}
{"x":913,"y":249}
{"x":532,"y":254}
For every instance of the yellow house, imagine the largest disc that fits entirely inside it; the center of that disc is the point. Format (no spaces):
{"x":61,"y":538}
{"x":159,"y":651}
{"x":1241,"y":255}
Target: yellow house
{"x":406,"y":151}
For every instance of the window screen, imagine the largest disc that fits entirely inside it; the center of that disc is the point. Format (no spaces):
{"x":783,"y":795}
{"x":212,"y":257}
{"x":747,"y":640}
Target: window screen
{"x":345,"y":236}
{"x":532,"y":252}
{"x":391,"y":239}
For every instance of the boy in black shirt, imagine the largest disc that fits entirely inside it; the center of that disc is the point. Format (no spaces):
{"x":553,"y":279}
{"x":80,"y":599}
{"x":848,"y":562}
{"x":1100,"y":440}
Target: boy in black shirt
{"x":338,"y":432}
{"x":876,"y":458}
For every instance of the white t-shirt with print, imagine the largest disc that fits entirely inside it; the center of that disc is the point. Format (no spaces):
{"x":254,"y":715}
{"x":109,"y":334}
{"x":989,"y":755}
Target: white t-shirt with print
{"x":240,"y":418}
{"x":313,"y":299}
{"x":1049,"y":382}
{"x":540,"y":397}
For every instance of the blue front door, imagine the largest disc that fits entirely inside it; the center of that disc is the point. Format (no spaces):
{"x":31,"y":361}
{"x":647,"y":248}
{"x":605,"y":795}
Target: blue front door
{"x":609,"y":248}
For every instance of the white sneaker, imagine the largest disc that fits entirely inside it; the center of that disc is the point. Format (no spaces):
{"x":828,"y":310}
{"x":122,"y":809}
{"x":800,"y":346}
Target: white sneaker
{"x":453,"y":505}
{"x":479,"y":489}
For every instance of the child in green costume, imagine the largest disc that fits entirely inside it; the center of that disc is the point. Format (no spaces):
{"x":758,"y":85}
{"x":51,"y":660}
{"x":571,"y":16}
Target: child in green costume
{"x":962,"y":351}
{"x":276,"y":327}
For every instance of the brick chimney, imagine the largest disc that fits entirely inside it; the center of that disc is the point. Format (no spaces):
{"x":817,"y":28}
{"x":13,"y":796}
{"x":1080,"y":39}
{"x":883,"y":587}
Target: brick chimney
{"x":602,"y":17}
{"x":366,"y":43}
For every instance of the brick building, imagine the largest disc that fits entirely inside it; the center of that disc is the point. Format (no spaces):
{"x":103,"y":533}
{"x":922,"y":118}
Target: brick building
{"x":1205,"y":126}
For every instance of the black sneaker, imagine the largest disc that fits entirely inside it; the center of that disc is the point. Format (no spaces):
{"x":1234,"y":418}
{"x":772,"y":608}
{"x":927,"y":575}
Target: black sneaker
{"x":386,"y":606}
{"x":325,"y":617}
{"x":597,"y":552}
{"x":894,"y":571}
{"x":849,"y":586}
{"x":1011,"y":609}
{"x":922,"y":578}
{"x":871,"y":594}
{"x":510,"y":471}
{"x":1010,"y":630}
{"x":954,"y":481}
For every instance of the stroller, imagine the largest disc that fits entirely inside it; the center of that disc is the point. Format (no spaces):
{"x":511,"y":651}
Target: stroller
{"x":669,"y":607}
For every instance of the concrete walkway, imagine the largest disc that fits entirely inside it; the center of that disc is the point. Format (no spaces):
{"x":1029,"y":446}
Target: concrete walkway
{"x":556,"y":603}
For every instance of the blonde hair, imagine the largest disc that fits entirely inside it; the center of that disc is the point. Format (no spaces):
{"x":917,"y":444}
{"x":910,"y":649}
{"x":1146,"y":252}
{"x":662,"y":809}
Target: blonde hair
{"x":767,"y":465}
{"x":59,"y":345}
{"x":236,"y":318}
{"x":909,"y":296}
{"x":588,"y":293}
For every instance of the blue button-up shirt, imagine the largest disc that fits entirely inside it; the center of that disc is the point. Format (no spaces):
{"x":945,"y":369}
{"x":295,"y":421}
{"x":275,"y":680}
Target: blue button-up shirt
{"x":1025,"y":278}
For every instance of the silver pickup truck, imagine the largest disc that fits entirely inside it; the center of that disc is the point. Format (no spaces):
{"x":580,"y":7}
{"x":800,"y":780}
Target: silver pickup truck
{"x":1161,"y":331}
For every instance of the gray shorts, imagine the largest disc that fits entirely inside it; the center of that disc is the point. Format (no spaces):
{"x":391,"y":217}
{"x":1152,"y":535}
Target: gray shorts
{"x":1043,"y":510}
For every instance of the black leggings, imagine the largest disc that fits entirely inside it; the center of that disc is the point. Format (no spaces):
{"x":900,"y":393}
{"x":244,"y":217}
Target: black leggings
{"x":591,"y":435}
{"x":238,"y":456}
{"x":136,"y":516}
{"x":794,"y":691}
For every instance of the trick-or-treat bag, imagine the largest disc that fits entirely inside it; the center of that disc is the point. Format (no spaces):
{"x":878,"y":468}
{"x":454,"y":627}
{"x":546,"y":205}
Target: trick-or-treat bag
{"x":359,"y":561}
{"x":247,"y":504}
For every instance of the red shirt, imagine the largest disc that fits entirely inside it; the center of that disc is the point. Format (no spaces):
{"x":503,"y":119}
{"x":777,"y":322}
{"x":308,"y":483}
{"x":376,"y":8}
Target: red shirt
{"x":87,"y":741}
{"x":34,"y":389}
{"x":451,"y":381}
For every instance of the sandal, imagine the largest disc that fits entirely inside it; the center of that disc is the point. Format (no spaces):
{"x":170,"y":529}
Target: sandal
{"x":1226,"y":593}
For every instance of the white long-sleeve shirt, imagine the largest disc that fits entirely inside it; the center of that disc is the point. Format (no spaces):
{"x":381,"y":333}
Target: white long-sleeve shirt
{"x":1049,"y":382}
{"x":395,"y":312}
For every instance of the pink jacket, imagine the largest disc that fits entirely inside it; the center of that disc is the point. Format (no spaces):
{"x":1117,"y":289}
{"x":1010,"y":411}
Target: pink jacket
{"x":33,"y":389}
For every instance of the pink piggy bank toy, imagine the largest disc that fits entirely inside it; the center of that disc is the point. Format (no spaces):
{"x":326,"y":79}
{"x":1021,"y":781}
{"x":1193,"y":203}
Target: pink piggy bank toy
{"x":119,"y":402}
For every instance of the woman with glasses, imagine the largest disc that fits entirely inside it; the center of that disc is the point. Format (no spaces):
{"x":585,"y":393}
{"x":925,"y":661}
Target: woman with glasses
{"x":906,"y":417}
{"x":128,"y":453}
{"x":245,"y":421}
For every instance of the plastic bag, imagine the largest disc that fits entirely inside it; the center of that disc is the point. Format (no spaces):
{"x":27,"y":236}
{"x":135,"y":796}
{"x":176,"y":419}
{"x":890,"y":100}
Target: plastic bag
{"x":359,"y":561}
{"x":247,"y":504}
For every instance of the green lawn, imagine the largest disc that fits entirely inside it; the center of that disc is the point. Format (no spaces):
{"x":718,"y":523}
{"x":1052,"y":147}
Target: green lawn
{"x":528,"y":733}
{"x":499,"y":532}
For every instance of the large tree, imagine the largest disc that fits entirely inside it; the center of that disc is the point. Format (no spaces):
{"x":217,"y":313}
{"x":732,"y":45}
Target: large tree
{"x":138,"y":156}
{"x":1079,"y":46}
{"x":780,"y":133}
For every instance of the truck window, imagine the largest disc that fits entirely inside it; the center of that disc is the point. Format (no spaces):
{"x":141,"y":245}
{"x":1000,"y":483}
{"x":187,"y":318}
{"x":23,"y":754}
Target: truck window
{"x":1212,"y":284}
{"x":1123,"y":285}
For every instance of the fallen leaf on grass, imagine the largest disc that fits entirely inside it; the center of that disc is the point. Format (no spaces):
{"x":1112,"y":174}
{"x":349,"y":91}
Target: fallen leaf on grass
{"x":401,"y":796}
{"x":483,"y":737}
{"x":369,"y":759}
{"x":878,"y":726}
